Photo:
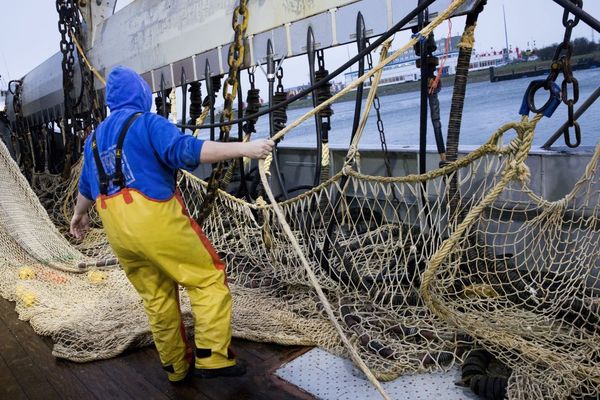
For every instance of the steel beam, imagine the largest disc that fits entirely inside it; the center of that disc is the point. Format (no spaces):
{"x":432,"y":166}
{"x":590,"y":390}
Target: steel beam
{"x":156,"y":37}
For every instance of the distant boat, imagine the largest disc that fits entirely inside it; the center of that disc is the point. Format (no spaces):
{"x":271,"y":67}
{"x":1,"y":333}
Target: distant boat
{"x":404,"y":69}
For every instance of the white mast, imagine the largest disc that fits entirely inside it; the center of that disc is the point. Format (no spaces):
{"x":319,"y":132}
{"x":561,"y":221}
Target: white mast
{"x":505,"y":34}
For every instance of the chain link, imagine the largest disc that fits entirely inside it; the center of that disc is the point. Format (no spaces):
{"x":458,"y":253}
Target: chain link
{"x":279,"y":76}
{"x":380,"y":127}
{"x":239,"y":23}
{"x":235,"y":59}
{"x":68,"y":21}
{"x":561,"y":63}
{"x":251,"y":77}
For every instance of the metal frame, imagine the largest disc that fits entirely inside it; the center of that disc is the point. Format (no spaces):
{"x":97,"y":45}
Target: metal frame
{"x":147,"y":36}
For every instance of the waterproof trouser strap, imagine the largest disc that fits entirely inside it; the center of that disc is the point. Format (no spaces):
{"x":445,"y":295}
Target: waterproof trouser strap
{"x":118,"y":178}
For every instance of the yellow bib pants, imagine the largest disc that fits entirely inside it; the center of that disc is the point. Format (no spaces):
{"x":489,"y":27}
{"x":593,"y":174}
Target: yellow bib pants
{"x":160,"y":247}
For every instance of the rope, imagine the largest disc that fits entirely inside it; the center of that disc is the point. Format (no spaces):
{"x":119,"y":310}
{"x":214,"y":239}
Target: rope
{"x":467,"y":40}
{"x":173,"y":101}
{"x":200,"y":120}
{"x":370,"y":99}
{"x":423,"y":33}
{"x":526,"y":129}
{"x":87,"y":63}
{"x":313,"y":279}
{"x":325,"y":155}
{"x":438,"y":77}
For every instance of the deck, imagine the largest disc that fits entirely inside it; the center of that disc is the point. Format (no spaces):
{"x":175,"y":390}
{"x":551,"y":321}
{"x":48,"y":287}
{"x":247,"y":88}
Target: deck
{"x":29,"y":371}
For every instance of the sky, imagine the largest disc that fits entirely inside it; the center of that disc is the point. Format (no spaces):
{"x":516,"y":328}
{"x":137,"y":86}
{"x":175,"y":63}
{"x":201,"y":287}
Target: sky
{"x":30,"y":34}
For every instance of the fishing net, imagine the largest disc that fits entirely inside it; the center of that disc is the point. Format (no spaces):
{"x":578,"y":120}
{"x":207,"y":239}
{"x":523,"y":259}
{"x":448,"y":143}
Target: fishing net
{"x":418,"y":270}
{"x":522,"y":275}
{"x":508,"y":270}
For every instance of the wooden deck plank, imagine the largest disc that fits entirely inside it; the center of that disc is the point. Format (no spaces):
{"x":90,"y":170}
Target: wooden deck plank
{"x":9,"y":387}
{"x":146,"y":362}
{"x":136,"y":374}
{"x":16,"y":354}
{"x":137,"y":385}
{"x":64,"y":382}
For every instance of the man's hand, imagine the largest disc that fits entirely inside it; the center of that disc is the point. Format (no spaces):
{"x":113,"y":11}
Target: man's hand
{"x":258,"y":148}
{"x":80,"y":224}
{"x":213,"y":152}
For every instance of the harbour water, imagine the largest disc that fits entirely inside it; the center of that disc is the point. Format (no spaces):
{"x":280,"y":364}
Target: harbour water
{"x":487,"y":106}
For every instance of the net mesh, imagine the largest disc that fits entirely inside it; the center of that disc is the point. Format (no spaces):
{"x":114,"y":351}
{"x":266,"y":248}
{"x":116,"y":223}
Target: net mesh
{"x":418,"y":269}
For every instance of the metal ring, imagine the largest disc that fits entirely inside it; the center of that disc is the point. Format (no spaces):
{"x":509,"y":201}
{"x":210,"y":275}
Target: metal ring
{"x":535,"y":86}
{"x":577,"y":135}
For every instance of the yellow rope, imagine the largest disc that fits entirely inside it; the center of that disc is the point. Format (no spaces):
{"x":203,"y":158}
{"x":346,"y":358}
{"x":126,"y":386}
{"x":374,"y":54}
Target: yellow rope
{"x":353,"y":150}
{"x":85,"y":60}
{"x":173,"y":100}
{"x":200,"y":120}
{"x":426,"y":31}
{"x":467,"y":41}
{"x":313,"y":279}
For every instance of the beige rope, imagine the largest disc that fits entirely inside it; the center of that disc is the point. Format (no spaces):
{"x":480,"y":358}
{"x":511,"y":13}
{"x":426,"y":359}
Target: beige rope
{"x":511,"y":172}
{"x":426,"y":31}
{"x":313,"y":279}
{"x":325,"y":155}
{"x":173,"y":100}
{"x":200,"y":120}
{"x":467,"y":40}
{"x":85,"y":60}
{"x":371,"y":98}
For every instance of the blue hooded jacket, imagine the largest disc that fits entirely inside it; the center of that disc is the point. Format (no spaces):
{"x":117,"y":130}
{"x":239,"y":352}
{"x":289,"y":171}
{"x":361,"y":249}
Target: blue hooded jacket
{"x":153,"y":151}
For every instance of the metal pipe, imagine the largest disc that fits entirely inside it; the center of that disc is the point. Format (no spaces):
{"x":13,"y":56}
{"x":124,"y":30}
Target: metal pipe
{"x":578,"y":113}
{"x":184,"y":86}
{"x":423,"y":17}
{"x":579,"y":13}
{"x":424,"y":53}
{"x":271,"y":70}
{"x":310,"y":51}
{"x":211,"y":99}
{"x":361,"y":43}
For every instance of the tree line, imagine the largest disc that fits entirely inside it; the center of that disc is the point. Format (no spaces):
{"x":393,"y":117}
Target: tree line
{"x":580,"y":46}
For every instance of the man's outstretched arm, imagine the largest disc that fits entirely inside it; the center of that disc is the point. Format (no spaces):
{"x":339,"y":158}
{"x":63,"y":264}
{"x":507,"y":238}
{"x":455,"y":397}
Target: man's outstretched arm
{"x":213,"y":152}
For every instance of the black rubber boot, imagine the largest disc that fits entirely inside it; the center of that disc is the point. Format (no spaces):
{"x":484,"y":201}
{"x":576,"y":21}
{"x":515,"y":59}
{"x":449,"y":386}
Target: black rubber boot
{"x":238,"y":369}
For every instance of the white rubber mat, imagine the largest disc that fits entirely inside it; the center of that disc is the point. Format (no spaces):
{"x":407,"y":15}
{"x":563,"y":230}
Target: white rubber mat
{"x":328,"y":377}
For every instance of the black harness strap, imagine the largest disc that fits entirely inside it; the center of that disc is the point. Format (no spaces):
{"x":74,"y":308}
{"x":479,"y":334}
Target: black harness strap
{"x":117,"y":178}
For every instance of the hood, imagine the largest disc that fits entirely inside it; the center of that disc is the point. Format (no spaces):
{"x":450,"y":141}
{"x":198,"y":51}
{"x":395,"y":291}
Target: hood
{"x":125,"y":89}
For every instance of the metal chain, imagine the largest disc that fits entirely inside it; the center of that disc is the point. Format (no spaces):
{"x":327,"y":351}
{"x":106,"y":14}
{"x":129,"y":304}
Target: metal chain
{"x":66,"y":10}
{"x":279,"y":76}
{"x":25,"y":157}
{"x":239,"y":23}
{"x":561,"y":63}
{"x":252,"y":103}
{"x":235,"y":59}
{"x":380,"y":127}
{"x":280,"y":113}
{"x":251,"y":77}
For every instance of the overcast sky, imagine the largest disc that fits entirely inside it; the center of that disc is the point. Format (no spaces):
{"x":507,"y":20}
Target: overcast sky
{"x":30,"y":35}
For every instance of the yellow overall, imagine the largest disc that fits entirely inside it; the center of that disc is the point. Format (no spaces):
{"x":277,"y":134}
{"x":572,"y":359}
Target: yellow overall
{"x":161,"y":247}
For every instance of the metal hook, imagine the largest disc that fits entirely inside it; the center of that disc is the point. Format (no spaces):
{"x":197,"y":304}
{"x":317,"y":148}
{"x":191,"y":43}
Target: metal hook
{"x":271,"y":69}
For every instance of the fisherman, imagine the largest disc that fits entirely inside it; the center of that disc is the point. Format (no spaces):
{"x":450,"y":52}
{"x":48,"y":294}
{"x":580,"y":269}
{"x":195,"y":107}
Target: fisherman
{"x":129,"y":170}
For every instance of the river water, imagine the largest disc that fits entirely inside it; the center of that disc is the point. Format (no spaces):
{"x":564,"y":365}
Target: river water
{"x":487,"y":106}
